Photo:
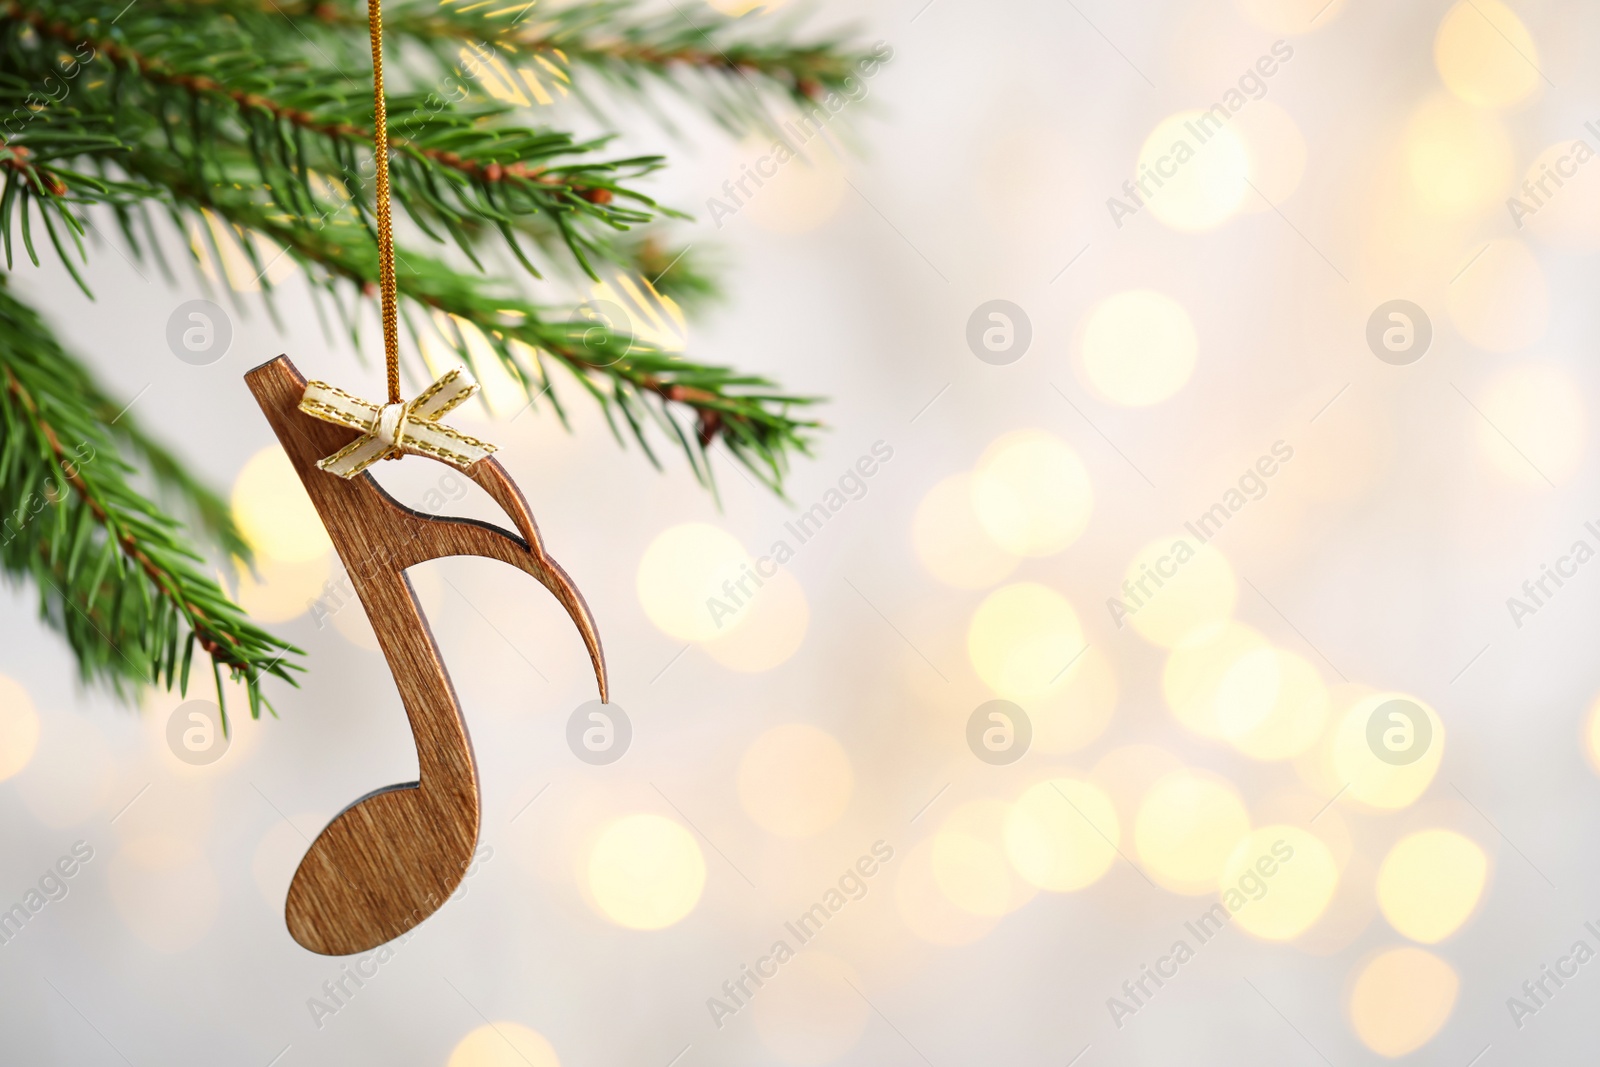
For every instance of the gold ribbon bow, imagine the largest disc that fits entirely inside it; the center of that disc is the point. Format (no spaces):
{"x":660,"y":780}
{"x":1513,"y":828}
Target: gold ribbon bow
{"x":394,"y":429}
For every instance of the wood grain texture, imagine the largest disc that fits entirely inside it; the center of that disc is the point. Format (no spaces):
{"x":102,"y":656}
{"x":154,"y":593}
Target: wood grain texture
{"x":393,"y":857}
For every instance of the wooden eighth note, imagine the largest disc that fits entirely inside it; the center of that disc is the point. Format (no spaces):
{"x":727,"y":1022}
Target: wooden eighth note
{"x":389,"y":860}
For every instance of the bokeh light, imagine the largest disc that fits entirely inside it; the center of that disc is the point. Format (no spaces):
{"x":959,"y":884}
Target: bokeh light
{"x":969,"y":861}
{"x":1459,"y":159}
{"x":646,"y":872}
{"x":1485,"y":54}
{"x":1559,"y":198}
{"x":683,"y":569}
{"x":1187,"y":828}
{"x":1193,"y":678}
{"x":1176,"y":591}
{"x":803,"y":193}
{"x":273,"y":512}
{"x":950,"y":541}
{"x":1139,"y":347}
{"x":1591,"y":735}
{"x":1076,"y":709}
{"x":1430,"y":883}
{"x":1062,"y":834}
{"x":1500,"y":301}
{"x":1277,"y":152}
{"x":1022,"y":639}
{"x":795,"y":780}
{"x":1400,"y":999}
{"x":1193,"y":171}
{"x":1271,"y":704}
{"x":1032,"y":493}
{"x":928,"y":913}
{"x":768,"y":627}
{"x":1291,"y":16}
{"x":1374,"y":781}
{"x":19,"y":728}
{"x":503,"y":1044}
{"x":1285,"y":877}
{"x":1534,"y":425}
{"x":278,"y":591}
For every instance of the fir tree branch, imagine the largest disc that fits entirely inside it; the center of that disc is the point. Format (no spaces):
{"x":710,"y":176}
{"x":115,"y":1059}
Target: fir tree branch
{"x":114,"y":574}
{"x":735,"y":67}
{"x":329,"y":236}
{"x":754,"y":421}
{"x":452,"y":164}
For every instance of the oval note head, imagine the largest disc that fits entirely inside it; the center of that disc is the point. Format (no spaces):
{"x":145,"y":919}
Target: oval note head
{"x":389,"y":860}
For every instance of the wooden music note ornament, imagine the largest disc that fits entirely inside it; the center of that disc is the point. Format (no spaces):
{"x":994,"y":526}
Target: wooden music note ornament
{"x":393,"y":857}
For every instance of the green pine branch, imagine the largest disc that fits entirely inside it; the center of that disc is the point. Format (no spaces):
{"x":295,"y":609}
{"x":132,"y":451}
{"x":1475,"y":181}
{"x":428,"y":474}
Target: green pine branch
{"x":733,"y":68}
{"x":115,"y":576}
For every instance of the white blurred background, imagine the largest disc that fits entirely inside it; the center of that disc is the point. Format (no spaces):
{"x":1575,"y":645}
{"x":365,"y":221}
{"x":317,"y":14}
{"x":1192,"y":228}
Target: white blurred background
{"x":1224,"y":321}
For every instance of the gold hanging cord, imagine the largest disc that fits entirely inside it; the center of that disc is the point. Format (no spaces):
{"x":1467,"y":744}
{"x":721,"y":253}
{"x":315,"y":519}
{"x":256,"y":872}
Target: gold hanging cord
{"x":380,"y":142}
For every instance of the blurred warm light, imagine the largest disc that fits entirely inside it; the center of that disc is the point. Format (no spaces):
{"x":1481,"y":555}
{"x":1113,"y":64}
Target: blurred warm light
{"x":1282,"y":896}
{"x":1372,"y":781}
{"x":1175,"y":591}
{"x":164,"y":891}
{"x":1061,"y":834}
{"x":1187,"y":828}
{"x":768,"y":628}
{"x":1486,"y":55}
{"x":19,"y":728}
{"x":1430,"y":882}
{"x":72,"y":775}
{"x":1591,"y":735}
{"x":274,"y":513}
{"x":506,"y":83}
{"x":1022,"y":639}
{"x":651,"y":316}
{"x":1460,"y":160}
{"x":502,"y":393}
{"x":1032,"y":493}
{"x":927,"y":912}
{"x":969,"y":861}
{"x":1501,"y":302}
{"x":1351,"y":911}
{"x":1534,"y":425}
{"x":1400,"y":999}
{"x":803,"y":193}
{"x":1559,"y":198}
{"x":504,"y":1044}
{"x":1194,"y":674}
{"x":951,"y":543}
{"x":1076,"y":710}
{"x":1271,"y":704}
{"x":1193,"y":171}
{"x":279,"y":591}
{"x":646,"y":872}
{"x":795,"y":780}
{"x":1139,"y":347}
{"x":1126,"y":774}
{"x":1291,"y":16}
{"x":1277,"y":152}
{"x":735,"y":8}
{"x":814,"y":1013}
{"x":685,"y":568}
